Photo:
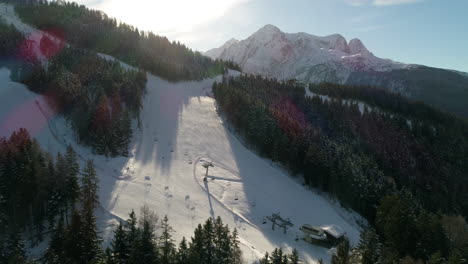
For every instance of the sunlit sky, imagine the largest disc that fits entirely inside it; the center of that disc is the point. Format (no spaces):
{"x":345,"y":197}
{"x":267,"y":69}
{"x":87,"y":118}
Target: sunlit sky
{"x":429,"y":32}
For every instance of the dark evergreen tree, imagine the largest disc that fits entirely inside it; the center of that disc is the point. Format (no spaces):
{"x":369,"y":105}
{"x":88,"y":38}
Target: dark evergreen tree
{"x":182,"y":255}
{"x":74,"y":240}
{"x":277,"y":256}
{"x":14,"y":251}
{"x":72,"y":188}
{"x":222,"y":242}
{"x":120,"y":248}
{"x":166,"y":244}
{"x":209,"y":249}
{"x":132,"y":231}
{"x":55,"y":253}
{"x":294,"y":257}
{"x":342,"y":253}
{"x":265,"y":259}
{"x":145,"y":249}
{"x":91,"y":241}
{"x":197,"y":247}
{"x":369,"y":247}
{"x":235,"y":253}
{"x":396,"y":220}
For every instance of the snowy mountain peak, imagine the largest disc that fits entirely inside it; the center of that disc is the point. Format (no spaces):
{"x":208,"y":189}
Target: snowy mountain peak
{"x":216,"y":53}
{"x":269,"y":29}
{"x":266,"y":34}
{"x":230,"y":42}
{"x":357,"y":47}
{"x":273,"y":53}
{"x":338,"y":42}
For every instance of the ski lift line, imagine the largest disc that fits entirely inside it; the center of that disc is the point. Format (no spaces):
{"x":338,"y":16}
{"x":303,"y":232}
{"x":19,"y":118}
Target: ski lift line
{"x":283,"y":223}
{"x":241,"y":217}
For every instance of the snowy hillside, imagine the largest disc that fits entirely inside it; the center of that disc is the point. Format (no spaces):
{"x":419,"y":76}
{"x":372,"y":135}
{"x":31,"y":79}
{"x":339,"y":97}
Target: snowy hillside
{"x":273,"y":53}
{"x":181,"y":129}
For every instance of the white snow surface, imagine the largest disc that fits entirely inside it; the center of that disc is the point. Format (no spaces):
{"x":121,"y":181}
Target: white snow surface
{"x":273,"y":53}
{"x":181,"y":128}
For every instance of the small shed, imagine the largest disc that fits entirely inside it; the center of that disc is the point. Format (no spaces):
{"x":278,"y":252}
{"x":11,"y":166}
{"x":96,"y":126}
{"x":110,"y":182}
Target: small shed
{"x":326,"y":235}
{"x":333,"y":232}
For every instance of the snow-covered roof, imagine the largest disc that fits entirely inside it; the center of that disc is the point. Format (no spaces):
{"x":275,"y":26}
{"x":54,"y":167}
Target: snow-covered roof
{"x":333,"y":230}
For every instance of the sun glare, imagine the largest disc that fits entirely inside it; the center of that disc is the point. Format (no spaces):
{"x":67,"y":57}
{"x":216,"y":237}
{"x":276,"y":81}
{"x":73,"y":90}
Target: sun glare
{"x":164,"y":16}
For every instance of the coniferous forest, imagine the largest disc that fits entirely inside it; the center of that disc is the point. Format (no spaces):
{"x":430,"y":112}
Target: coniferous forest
{"x":97,"y":96}
{"x":405,"y":171}
{"x":94,"y":30}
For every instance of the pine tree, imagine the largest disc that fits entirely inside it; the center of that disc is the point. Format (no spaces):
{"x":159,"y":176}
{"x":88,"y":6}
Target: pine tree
{"x":265,"y":259}
{"x":369,"y":247}
{"x":55,"y":253}
{"x":342,"y":253}
{"x":166,"y":243}
{"x":145,"y":249}
{"x":14,"y":250}
{"x":74,"y":239}
{"x":294,"y":257}
{"x":91,"y":240}
{"x":396,"y":221}
{"x":72,"y":188}
{"x":126,"y":128}
{"x":89,"y":182}
{"x":436,"y":258}
{"x":197,"y":247}
{"x":235,"y":251}
{"x":208,"y":242}
{"x":222,"y":242}
{"x":59,"y":184}
{"x":132,"y":232}
{"x":120,"y":248}
{"x":455,"y":257}
{"x":182,"y":256}
{"x":277,"y":256}
{"x":110,"y":257}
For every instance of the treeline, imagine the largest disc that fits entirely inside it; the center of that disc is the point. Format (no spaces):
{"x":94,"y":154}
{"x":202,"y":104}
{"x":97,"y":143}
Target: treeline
{"x":36,"y":190}
{"x":94,"y":30}
{"x":388,"y":101}
{"x":150,"y":241}
{"x":278,"y":257}
{"x":370,"y":250}
{"x":9,"y":40}
{"x":403,"y":177}
{"x":34,"y":187}
{"x":98,"y":96}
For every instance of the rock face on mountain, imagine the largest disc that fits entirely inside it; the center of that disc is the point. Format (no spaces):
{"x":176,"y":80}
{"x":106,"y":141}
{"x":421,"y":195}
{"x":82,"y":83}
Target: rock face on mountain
{"x":308,"y":58}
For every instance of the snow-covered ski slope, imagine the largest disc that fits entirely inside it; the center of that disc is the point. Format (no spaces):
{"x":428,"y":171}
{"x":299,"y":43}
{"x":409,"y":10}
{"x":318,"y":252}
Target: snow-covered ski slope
{"x":181,"y":129}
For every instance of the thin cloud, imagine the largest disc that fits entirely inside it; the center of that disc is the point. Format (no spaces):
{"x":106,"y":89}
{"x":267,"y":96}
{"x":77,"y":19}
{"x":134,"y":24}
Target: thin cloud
{"x":394,"y":2}
{"x":380,"y":2}
{"x":357,"y":2}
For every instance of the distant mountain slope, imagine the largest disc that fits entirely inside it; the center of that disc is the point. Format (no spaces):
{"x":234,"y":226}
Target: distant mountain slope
{"x":273,"y":53}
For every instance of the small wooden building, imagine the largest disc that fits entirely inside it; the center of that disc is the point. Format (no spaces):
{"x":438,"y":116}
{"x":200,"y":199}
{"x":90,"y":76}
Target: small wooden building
{"x":327,"y":235}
